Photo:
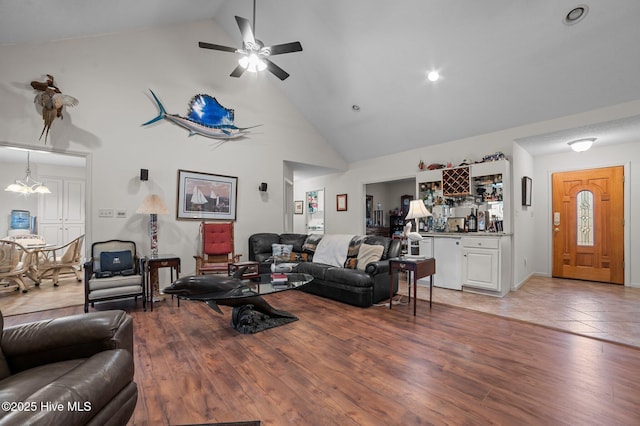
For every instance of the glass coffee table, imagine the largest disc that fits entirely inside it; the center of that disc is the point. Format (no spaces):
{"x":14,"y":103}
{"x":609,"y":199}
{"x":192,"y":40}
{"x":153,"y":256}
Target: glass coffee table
{"x":251,"y":313}
{"x":267,"y":283}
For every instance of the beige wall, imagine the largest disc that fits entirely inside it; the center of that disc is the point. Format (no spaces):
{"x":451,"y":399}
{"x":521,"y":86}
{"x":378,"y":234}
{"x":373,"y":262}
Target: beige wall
{"x":111,"y":76}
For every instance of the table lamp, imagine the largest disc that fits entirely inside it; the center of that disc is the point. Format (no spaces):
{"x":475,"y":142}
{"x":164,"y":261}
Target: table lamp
{"x":416,"y":211}
{"x":153,"y":206}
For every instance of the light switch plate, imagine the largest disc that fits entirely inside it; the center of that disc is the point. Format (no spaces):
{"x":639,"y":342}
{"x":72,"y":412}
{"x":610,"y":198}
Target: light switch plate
{"x":121,"y":214}
{"x":105,"y":212}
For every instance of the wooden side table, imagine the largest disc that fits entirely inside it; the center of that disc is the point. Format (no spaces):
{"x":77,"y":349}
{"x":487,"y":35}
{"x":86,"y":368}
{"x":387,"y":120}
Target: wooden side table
{"x":151,"y":266}
{"x":419,"y":268}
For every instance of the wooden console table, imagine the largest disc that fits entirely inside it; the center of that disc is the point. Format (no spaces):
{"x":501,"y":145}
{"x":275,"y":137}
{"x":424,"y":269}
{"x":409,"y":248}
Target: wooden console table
{"x":419,"y":268}
{"x":151,"y":266}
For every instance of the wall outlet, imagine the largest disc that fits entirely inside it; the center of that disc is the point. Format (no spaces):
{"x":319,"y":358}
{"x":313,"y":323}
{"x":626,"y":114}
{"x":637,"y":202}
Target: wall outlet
{"x":121,"y":214}
{"x":105,"y":212}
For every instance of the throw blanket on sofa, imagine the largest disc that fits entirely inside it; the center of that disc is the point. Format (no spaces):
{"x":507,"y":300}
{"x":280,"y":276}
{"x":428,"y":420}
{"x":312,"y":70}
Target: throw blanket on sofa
{"x":332,"y":249}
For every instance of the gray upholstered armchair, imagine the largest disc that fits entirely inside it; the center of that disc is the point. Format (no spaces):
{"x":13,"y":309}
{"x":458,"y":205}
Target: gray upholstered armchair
{"x":81,"y":364}
{"x":113,"y":272}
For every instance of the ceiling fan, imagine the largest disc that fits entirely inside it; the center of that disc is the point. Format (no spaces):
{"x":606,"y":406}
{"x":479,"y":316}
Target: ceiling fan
{"x":255,"y":55}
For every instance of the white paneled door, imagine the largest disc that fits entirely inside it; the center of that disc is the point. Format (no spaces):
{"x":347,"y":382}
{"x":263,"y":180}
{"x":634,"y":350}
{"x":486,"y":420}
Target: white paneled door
{"x":61,"y":214}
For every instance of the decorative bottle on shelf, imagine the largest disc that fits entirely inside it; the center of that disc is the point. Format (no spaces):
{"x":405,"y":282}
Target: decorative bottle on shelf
{"x":473,"y":222}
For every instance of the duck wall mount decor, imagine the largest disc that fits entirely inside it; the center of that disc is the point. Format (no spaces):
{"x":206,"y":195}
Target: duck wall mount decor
{"x":51,"y":99}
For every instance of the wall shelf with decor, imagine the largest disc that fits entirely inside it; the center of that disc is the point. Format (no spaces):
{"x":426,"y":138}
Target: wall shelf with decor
{"x":396,"y":225}
{"x":491,"y":186}
{"x":481,"y":187}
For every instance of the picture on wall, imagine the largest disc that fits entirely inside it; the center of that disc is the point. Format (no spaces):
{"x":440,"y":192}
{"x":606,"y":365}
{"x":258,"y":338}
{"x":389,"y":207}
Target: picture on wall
{"x":298,"y":207}
{"x":206,"y":196}
{"x":341,"y":202}
{"x":312,"y":201}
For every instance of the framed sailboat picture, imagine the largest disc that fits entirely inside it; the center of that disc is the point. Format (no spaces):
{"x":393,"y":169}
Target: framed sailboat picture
{"x":206,"y":196}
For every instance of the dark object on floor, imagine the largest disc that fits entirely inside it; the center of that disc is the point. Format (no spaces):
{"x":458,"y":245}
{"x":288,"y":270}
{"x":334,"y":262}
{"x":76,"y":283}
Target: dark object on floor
{"x":248,"y":321}
{"x":217,"y":290}
{"x":73,"y":370}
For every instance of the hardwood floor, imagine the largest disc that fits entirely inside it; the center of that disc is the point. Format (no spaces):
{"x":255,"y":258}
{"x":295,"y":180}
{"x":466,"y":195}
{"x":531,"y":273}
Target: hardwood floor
{"x":341,"y":365}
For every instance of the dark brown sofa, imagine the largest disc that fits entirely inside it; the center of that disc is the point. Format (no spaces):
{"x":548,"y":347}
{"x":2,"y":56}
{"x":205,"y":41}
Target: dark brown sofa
{"x":361,"y":288}
{"x":73,"y":370}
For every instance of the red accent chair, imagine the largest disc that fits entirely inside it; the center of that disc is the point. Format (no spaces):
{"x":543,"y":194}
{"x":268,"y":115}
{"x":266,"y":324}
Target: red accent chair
{"x":217,"y":249}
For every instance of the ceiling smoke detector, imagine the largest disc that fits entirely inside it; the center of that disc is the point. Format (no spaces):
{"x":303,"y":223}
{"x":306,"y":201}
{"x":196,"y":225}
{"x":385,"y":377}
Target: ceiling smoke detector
{"x":576,"y":14}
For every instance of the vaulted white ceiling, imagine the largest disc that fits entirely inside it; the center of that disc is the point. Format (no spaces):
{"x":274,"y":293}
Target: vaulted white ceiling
{"x":504,"y":63}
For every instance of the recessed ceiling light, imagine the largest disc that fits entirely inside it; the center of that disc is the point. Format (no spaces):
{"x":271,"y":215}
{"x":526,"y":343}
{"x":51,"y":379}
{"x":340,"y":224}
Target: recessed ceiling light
{"x":433,"y":76}
{"x":355,"y":107}
{"x":581,"y":145}
{"x":576,"y":14}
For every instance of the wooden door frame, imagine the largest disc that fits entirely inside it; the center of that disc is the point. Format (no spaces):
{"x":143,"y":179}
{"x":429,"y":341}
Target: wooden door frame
{"x":626,"y":212}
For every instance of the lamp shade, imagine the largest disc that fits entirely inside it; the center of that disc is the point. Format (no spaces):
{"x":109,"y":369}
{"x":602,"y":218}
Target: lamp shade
{"x":152,"y":204}
{"x":417,"y":210}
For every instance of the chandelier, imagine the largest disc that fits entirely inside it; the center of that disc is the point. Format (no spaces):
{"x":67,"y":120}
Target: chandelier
{"x":28,"y":185}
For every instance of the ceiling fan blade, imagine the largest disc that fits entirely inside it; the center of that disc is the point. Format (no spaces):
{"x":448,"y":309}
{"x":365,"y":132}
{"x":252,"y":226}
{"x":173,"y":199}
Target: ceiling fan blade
{"x":238,"y":71}
{"x":276,"y":70}
{"x":217,"y":47}
{"x":279,"y":49}
{"x":246,"y":31}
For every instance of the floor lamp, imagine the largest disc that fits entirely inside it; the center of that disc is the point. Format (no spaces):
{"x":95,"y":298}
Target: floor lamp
{"x":153,"y":206}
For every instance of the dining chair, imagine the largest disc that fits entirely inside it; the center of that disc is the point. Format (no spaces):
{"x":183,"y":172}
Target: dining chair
{"x":14,"y":263}
{"x":50,"y":262}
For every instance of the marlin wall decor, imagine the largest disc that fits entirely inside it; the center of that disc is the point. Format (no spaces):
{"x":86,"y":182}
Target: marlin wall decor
{"x":206,"y":117}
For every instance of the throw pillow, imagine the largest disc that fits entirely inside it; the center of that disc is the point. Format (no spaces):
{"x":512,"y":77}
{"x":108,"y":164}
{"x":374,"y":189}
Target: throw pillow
{"x":352,"y":251}
{"x":299,"y":257}
{"x":281,"y":252}
{"x":116,"y":261}
{"x":351,"y":263}
{"x":311,"y":243}
{"x":369,"y":253}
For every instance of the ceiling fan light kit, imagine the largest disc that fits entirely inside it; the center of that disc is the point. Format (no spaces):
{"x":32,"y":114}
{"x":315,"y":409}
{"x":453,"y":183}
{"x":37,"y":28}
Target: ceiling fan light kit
{"x":252,"y":63}
{"x":254,"y":53}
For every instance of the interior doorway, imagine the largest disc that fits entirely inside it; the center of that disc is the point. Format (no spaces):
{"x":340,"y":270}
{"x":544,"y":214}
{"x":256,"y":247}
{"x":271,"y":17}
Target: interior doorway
{"x":588,"y":224}
{"x":315,"y":211}
{"x":60,"y":171}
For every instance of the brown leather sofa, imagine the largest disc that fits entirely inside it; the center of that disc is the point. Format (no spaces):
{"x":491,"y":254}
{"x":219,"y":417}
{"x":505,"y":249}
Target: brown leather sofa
{"x":75,"y":370}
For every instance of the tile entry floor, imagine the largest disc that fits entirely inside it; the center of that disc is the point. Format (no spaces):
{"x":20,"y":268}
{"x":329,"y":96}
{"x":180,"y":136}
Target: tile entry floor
{"x":603,"y":311}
